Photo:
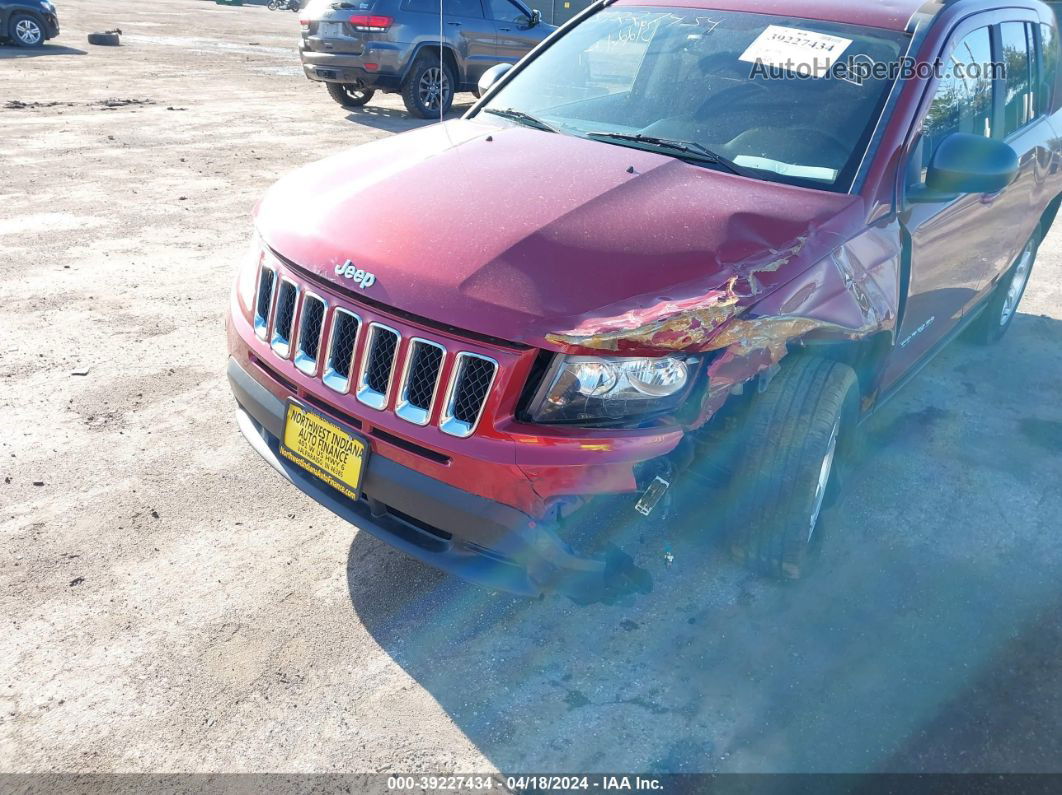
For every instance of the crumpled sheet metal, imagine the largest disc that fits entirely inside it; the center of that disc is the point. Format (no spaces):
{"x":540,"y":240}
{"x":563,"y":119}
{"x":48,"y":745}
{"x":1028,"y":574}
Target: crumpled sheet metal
{"x":754,"y":345}
{"x":837,"y":299}
{"x":669,"y":325}
{"x":865,"y":309}
{"x":680,"y":325}
{"x":713,"y":321}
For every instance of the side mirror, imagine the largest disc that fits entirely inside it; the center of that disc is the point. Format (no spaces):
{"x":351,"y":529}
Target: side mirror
{"x":967,"y":164}
{"x":492,"y":76}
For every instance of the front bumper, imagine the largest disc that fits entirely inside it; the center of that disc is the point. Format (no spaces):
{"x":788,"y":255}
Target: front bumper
{"x":475,"y":538}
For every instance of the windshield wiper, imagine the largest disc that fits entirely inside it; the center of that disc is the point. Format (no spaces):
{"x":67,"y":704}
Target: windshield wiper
{"x":691,"y":150}
{"x":522,"y":118}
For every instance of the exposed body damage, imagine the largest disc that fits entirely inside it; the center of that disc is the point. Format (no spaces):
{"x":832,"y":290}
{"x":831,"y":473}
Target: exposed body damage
{"x":573,"y":307}
{"x":754,"y":326}
{"x":845,"y":297}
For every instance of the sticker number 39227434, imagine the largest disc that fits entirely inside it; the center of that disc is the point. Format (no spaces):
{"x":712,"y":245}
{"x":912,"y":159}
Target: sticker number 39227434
{"x":804,"y":52}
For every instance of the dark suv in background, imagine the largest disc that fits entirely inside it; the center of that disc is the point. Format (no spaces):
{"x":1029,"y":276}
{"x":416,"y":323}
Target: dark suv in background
{"x":359,"y":48}
{"x":28,"y":23}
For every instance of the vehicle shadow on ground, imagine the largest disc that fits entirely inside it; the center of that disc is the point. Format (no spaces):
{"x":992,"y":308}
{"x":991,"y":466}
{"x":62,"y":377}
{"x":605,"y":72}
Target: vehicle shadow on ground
{"x":9,"y":52}
{"x":398,"y":120}
{"x":937,"y":598}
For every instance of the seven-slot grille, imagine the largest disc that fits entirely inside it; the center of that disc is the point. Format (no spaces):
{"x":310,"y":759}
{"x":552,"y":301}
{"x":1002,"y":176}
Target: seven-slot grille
{"x":299,"y":326}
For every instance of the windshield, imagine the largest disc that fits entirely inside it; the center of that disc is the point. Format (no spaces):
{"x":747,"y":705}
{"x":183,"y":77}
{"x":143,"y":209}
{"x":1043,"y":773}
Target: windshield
{"x":776,"y":97}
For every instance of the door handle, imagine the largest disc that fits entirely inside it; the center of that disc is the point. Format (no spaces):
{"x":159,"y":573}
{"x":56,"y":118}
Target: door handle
{"x":505,"y":30}
{"x":455,"y":24}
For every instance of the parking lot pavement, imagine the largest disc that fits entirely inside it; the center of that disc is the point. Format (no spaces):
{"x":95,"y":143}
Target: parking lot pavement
{"x":171,"y":605}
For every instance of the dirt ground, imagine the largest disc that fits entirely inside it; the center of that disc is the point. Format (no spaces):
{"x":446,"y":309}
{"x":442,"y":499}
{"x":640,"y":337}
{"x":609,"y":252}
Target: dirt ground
{"x":169,"y":604}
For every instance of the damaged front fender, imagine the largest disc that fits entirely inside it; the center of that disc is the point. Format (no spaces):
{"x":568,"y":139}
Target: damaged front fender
{"x":845,"y":296}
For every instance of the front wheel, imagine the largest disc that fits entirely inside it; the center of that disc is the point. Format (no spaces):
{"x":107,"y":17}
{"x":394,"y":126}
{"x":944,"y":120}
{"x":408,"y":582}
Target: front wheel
{"x":1002,"y":307}
{"x":273,"y":5}
{"x":793,"y":437}
{"x":428,"y":91}
{"x":348,"y":95}
{"x":26,"y":31}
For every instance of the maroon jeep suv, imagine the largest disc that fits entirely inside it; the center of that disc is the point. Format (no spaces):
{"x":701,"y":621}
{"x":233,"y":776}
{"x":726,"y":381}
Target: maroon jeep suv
{"x":651,"y":283}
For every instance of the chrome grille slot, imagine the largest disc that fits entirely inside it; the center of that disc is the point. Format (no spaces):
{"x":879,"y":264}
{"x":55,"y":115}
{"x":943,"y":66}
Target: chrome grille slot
{"x":341,"y":344}
{"x":287,"y":299}
{"x":470,"y":384}
{"x":311,"y":329}
{"x":420,"y":380}
{"x":267,"y":279}
{"x":378,"y":366}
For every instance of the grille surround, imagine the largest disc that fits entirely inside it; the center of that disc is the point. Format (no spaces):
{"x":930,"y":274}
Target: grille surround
{"x":448,"y":422}
{"x":281,"y":342}
{"x":333,"y":378}
{"x":404,"y":407}
{"x":417,"y":379}
{"x":306,"y":362}
{"x":366,"y":393}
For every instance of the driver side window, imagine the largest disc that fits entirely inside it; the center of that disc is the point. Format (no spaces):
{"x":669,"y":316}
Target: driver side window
{"x":963,"y":101}
{"x":504,"y":11}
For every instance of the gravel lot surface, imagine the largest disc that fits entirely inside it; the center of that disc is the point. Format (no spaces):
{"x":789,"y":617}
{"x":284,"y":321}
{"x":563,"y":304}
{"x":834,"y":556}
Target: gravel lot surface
{"x":170,"y":605}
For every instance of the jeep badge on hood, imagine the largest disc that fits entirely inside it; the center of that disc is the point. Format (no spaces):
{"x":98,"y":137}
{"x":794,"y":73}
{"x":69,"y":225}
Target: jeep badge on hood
{"x":363,"y":279}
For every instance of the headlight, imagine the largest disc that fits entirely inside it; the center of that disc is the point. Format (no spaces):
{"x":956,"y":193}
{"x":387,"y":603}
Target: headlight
{"x":593,"y":389}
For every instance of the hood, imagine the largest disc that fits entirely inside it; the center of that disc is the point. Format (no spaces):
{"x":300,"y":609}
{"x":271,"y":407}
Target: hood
{"x":518,"y":234}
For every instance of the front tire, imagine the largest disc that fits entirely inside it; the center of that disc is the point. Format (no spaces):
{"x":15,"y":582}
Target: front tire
{"x":26,"y":31}
{"x":428,"y":90}
{"x":1002,"y":307}
{"x":349,"y":95}
{"x":793,"y":437}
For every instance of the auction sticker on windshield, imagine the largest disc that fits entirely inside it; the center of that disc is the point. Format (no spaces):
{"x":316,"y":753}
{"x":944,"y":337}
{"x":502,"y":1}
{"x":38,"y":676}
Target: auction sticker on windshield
{"x":802,"y":51}
{"x":324,"y":449}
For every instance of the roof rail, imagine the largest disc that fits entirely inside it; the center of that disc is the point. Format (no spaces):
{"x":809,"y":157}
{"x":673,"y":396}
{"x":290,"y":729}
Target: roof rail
{"x":928,"y":10}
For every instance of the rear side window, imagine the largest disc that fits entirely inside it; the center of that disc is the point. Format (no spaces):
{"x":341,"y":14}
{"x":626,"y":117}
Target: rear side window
{"x":963,"y":102}
{"x":1049,"y":61}
{"x":1018,"y":55}
{"x":451,"y":8}
{"x":462,"y":8}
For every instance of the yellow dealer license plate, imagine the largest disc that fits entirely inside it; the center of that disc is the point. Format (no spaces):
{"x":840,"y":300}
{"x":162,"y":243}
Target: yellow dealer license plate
{"x":324,"y":449}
